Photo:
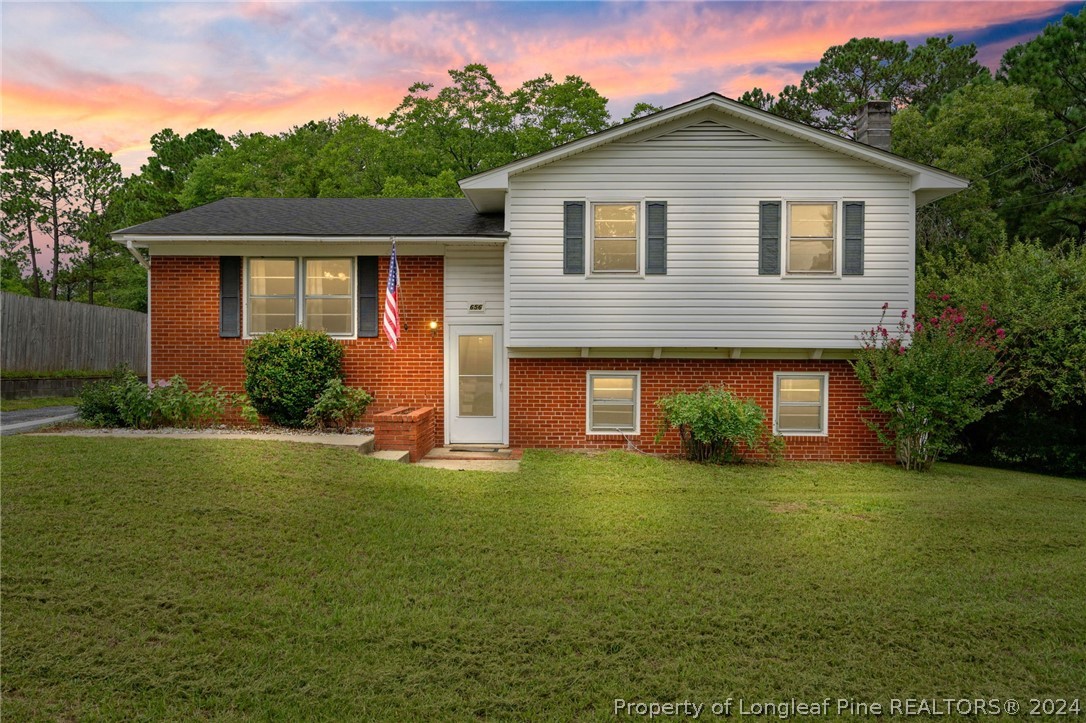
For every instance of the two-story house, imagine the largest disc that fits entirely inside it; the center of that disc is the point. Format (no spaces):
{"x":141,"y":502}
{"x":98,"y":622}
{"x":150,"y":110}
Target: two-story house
{"x":709,"y":243}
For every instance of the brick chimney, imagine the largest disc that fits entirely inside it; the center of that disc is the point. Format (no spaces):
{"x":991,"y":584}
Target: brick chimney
{"x":873,"y":124}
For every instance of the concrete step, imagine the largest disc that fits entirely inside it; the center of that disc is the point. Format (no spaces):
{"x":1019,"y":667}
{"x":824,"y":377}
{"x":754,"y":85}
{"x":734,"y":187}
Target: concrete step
{"x":490,"y":448}
{"x":367,"y":445}
{"x":391,"y":455}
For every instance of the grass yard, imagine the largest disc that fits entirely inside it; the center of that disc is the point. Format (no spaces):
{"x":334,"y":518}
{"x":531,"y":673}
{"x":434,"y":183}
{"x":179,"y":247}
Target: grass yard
{"x":15,"y":405}
{"x":173,"y":579}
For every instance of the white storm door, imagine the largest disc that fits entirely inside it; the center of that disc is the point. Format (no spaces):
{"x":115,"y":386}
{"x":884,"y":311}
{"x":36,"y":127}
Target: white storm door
{"x":478,"y":387}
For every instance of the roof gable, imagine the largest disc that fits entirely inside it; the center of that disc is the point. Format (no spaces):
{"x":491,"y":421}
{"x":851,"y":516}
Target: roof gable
{"x":705,"y":131}
{"x":487,"y":190}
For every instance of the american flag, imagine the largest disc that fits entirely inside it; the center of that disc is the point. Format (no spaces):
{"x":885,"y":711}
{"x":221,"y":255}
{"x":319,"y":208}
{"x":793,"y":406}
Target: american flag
{"x":392,"y":292}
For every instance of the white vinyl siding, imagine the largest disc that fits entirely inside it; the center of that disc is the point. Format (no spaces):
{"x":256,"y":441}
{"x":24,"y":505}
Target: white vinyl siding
{"x":474,"y":277}
{"x":713,"y":177}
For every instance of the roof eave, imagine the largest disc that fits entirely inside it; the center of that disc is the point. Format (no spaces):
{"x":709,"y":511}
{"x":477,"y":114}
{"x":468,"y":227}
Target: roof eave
{"x":124,"y":238}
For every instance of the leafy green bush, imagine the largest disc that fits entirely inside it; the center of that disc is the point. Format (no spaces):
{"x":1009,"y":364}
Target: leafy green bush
{"x":100,"y":402}
{"x":338,"y":407}
{"x":929,"y":379}
{"x":176,"y":405}
{"x":287,"y":370}
{"x":135,"y":404}
{"x":124,"y":400}
{"x":716,"y":426}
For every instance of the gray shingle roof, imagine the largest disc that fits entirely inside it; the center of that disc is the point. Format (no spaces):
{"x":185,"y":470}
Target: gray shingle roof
{"x":327,"y":217}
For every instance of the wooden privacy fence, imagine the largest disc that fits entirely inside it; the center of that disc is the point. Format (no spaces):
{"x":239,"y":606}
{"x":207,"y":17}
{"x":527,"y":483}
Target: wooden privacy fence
{"x":41,"y":335}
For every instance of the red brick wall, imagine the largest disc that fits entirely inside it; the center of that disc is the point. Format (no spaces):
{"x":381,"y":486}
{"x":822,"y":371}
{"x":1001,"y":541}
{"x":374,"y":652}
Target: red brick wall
{"x":185,"y":334}
{"x":548,"y":401}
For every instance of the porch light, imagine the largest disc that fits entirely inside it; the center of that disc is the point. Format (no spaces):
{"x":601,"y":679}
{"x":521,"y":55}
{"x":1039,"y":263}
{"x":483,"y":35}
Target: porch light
{"x":433,"y":328}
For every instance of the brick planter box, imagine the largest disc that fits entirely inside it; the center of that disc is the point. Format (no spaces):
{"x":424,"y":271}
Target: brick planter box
{"x":405,"y":428}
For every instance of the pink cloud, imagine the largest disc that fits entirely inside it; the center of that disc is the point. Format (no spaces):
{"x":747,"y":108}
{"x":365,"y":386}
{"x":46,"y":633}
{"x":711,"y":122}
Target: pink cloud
{"x":268,"y":66}
{"x":668,"y":41}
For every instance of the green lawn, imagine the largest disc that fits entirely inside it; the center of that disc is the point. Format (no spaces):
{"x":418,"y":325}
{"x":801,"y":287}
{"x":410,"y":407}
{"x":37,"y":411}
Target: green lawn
{"x":14,"y":405}
{"x":173,"y":579}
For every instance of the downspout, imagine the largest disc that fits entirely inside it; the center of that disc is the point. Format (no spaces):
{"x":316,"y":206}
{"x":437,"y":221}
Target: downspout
{"x":132,"y":249}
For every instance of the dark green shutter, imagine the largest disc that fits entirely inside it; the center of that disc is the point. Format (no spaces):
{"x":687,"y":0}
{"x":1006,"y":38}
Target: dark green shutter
{"x":367,"y":296}
{"x":769,"y":237}
{"x":854,"y":239}
{"x":656,"y":241}
{"x":229,"y":296}
{"x":573,"y":246}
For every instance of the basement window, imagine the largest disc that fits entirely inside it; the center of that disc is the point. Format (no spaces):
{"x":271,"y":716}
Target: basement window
{"x":800,"y":403}
{"x":613,"y":402}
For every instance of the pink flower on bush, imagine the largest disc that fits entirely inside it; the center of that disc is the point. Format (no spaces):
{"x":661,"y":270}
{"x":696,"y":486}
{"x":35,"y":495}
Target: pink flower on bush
{"x":990,"y":380}
{"x":946,"y":297}
{"x":1000,"y":333}
{"x":886,"y":306}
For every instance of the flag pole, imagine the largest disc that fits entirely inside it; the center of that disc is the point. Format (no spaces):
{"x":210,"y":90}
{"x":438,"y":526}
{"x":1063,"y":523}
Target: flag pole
{"x":392,"y":302}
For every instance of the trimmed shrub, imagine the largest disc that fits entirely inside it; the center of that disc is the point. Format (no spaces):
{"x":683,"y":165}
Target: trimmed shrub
{"x":338,"y":407}
{"x":286,"y":371}
{"x":716,"y":426}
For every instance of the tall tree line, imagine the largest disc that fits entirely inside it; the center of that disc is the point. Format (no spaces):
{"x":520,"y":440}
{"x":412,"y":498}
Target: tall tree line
{"x":54,"y":189}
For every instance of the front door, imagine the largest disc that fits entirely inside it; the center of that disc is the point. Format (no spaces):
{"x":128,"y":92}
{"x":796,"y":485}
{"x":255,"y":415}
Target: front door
{"x":477,"y":385}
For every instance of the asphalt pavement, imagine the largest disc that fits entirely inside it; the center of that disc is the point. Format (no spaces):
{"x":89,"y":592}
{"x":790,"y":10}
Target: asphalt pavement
{"x":26,"y":420}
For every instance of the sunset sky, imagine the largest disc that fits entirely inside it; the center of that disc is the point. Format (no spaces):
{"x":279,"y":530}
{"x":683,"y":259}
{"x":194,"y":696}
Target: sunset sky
{"x":111,"y":74}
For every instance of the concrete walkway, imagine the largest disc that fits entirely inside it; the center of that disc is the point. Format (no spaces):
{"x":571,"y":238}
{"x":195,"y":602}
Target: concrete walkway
{"x":27,"y":420}
{"x":500,"y":460}
{"x":361,"y":442}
